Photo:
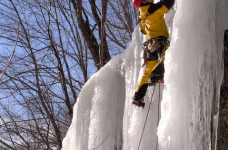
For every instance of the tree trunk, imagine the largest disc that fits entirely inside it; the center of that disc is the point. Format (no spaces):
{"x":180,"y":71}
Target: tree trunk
{"x":222,"y":143}
{"x":90,"y":38}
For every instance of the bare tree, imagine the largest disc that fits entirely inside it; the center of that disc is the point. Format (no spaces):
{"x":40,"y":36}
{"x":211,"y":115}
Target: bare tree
{"x":114,"y":24}
{"x":60,"y":45}
{"x":88,"y":34}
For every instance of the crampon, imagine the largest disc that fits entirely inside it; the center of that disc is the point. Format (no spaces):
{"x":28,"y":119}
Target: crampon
{"x":139,"y":103}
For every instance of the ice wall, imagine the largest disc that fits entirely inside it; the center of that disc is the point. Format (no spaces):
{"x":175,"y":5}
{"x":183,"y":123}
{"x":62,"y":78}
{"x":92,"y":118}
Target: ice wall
{"x":104,"y":118}
{"x":194,"y":69}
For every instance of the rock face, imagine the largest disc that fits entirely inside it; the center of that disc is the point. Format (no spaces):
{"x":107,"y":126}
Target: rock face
{"x":222,"y":143}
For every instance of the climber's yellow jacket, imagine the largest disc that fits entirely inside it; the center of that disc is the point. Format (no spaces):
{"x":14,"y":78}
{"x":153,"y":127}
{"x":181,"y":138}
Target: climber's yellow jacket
{"x":151,"y":18}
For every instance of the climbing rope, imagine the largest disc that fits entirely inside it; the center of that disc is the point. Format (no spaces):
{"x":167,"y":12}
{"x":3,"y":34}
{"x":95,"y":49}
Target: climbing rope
{"x":146,"y":116}
{"x":158,"y":114}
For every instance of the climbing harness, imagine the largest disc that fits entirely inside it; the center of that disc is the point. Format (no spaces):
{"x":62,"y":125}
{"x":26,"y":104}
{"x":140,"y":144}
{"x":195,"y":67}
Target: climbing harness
{"x":154,"y":49}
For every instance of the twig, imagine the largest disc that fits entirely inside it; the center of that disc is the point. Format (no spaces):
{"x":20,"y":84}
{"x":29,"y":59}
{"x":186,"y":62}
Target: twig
{"x":11,"y":56}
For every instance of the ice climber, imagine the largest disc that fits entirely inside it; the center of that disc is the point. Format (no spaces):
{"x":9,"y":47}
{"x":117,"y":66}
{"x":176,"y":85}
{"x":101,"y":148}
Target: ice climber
{"x":152,"y":24}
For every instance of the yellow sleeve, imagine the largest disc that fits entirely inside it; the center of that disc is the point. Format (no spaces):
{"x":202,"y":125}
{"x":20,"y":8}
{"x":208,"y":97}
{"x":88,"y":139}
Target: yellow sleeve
{"x":142,"y":26}
{"x":161,"y":11}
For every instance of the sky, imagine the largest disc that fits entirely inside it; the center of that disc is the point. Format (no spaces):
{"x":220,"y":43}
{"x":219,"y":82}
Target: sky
{"x":185,"y":110}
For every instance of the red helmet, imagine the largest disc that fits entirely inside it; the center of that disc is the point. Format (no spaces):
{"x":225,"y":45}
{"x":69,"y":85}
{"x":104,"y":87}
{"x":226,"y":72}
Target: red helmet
{"x":136,"y":3}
